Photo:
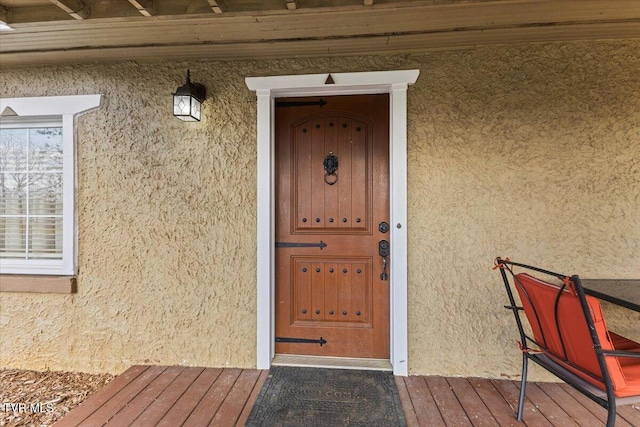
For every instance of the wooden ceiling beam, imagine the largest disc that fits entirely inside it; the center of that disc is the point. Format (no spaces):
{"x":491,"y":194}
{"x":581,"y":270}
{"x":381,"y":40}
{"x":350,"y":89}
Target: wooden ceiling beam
{"x":4,"y":15}
{"x":350,"y":30}
{"x":75,"y":8}
{"x":216,"y":5}
{"x":322,"y":48}
{"x":145,"y":7}
{"x":368,"y":2}
{"x":352,"y":22}
{"x":38,"y":14}
{"x":291,"y":5}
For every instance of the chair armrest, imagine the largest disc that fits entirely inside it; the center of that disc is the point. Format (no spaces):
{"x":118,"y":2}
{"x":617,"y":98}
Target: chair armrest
{"x":618,"y":353}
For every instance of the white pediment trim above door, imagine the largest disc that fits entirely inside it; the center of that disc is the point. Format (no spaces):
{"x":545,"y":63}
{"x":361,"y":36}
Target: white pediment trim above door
{"x":267,"y":89}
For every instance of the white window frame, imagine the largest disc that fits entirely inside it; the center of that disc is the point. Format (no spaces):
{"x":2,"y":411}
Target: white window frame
{"x":64,"y":109}
{"x":267,"y":89}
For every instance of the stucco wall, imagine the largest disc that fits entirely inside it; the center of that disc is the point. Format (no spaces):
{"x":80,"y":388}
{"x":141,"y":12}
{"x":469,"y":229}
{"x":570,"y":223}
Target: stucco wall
{"x":531,"y":152}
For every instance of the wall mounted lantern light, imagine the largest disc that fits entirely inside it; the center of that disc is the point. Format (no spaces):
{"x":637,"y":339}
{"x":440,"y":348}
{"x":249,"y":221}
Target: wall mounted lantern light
{"x":187,"y":100}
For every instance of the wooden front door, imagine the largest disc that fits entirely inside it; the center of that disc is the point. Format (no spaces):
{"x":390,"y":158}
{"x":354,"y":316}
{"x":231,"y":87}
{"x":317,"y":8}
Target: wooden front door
{"x":335,"y":291}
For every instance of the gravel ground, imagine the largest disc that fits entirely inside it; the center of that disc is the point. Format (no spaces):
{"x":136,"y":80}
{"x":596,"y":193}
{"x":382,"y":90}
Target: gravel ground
{"x":31,"y":398}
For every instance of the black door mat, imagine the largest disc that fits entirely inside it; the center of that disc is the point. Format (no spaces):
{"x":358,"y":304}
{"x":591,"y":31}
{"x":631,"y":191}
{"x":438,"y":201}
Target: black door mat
{"x":327,"y":397}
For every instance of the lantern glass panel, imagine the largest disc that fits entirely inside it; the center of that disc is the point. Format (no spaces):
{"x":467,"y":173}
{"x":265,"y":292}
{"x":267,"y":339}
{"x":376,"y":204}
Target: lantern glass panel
{"x":181,"y":105}
{"x":195,"y":108}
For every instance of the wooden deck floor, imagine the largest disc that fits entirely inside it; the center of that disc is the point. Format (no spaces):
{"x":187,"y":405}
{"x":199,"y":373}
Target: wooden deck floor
{"x":180,"y":396}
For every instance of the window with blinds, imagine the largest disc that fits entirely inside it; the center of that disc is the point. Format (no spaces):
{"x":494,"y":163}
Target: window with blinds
{"x":31,"y":192}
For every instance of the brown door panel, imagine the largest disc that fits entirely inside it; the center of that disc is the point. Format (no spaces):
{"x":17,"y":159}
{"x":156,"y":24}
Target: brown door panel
{"x":334,"y":292}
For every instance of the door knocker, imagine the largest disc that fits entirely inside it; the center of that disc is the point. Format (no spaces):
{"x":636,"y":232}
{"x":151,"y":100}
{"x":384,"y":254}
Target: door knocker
{"x":330,"y":167}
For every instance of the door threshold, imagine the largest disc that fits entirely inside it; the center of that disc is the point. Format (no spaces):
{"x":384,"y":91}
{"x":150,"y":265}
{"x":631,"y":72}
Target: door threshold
{"x":331,"y":362}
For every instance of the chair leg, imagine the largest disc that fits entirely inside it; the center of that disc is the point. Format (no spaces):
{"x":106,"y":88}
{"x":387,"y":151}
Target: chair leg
{"x":523,"y":386}
{"x":611,"y":414}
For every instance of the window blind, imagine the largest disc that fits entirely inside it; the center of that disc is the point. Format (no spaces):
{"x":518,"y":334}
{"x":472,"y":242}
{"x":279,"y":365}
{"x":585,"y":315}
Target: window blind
{"x":31,"y":193}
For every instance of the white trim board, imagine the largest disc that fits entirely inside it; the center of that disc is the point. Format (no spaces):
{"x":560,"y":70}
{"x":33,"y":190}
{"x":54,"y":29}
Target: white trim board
{"x":64,"y":110}
{"x":395,"y":83}
{"x":51,"y":105}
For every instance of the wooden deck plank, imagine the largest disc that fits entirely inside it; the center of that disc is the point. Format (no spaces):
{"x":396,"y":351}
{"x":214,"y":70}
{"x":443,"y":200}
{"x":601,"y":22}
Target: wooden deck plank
{"x":423,"y":403}
{"x":231,"y":408}
{"x":581,"y":415}
{"x":510,"y":392}
{"x":548,"y":407}
{"x":500,"y":409}
{"x":244,"y":416}
{"x":124,"y":396}
{"x":405,"y":400}
{"x":175,"y":396}
{"x":95,"y":401}
{"x":132,"y":410}
{"x":598,"y":411}
{"x":631,"y":413}
{"x":174,"y":406}
{"x":473,"y":406}
{"x":447,"y":402}
{"x":210,"y":403}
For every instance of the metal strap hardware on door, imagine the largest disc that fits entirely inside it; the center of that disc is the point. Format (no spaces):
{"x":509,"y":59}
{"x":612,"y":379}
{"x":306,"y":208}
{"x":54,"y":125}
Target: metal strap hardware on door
{"x":320,"y":245}
{"x":330,"y":167}
{"x":321,"y":341}
{"x":321,"y":103}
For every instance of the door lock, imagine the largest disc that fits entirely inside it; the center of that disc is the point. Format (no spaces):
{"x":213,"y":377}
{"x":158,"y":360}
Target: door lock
{"x":383,"y":250}
{"x":383,"y":227}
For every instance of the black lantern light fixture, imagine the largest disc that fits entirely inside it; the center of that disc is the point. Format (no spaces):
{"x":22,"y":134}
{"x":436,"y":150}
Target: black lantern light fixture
{"x":187,"y":100}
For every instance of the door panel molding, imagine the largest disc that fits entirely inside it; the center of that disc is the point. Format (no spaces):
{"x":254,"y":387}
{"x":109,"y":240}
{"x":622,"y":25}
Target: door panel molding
{"x":301,"y":293}
{"x":267,"y":89}
{"x":359,"y":220}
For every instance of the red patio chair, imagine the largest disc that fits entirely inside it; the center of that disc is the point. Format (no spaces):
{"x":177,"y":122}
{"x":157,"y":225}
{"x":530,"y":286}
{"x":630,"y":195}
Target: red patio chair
{"x":570,"y":338}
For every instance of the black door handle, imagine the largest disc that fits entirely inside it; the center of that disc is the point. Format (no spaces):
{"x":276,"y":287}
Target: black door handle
{"x":383,"y":250}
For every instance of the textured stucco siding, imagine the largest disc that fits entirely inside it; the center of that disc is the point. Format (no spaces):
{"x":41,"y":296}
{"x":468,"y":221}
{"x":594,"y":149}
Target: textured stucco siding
{"x":531,"y":152}
{"x":166,"y":214}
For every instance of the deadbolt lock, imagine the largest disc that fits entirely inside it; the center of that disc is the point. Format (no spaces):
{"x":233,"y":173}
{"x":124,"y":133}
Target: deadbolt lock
{"x":383,"y":227}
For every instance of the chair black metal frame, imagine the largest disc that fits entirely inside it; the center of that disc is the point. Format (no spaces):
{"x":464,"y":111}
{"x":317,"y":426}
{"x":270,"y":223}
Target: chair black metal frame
{"x":606,"y":398}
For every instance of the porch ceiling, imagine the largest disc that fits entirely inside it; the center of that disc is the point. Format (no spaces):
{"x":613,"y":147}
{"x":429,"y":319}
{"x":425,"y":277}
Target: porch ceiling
{"x":73,"y":31}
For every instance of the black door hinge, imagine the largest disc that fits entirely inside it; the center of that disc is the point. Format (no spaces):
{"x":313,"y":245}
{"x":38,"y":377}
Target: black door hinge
{"x":320,"y":102}
{"x":301,"y":245}
{"x":321,"y":341}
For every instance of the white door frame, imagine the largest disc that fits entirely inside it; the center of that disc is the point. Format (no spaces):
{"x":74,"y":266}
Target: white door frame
{"x":395,"y":83}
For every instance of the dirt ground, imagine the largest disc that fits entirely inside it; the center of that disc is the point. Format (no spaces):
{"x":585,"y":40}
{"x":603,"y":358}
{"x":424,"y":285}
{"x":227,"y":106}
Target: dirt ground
{"x":31,"y":398}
